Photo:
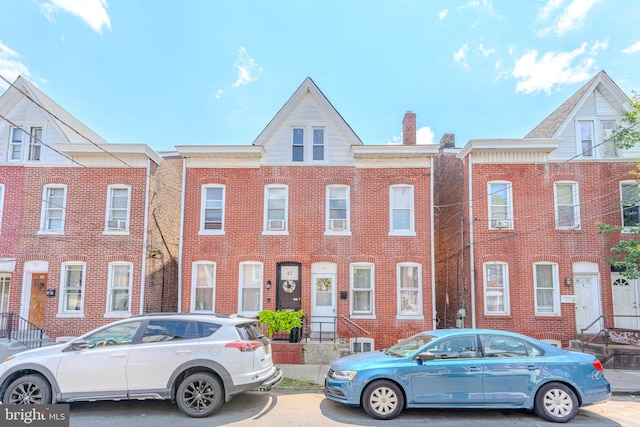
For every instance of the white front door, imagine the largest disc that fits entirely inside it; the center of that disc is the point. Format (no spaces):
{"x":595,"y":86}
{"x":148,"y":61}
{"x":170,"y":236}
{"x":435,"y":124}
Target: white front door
{"x":625,"y":302}
{"x":587,"y":302}
{"x":323,"y":304}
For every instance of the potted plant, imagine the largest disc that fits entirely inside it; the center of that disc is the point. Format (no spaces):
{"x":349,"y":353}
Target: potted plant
{"x":282,"y":321}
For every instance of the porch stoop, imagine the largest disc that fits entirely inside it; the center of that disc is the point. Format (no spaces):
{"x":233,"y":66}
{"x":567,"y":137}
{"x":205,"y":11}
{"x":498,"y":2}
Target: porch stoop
{"x":612,"y":356}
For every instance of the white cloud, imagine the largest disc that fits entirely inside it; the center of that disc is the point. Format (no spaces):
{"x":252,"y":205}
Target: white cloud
{"x":555,"y":68}
{"x":442,"y":14}
{"x":247,"y":68}
{"x":570,"y":18}
{"x":484,"y":51}
{"x":424,"y":135}
{"x":92,"y":12}
{"x":219,"y":94}
{"x":461,"y":55}
{"x":632,"y":49}
{"x":10,"y":65}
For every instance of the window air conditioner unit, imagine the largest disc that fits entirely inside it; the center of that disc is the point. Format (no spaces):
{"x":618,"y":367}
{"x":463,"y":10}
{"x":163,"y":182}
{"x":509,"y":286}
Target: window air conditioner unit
{"x":275,"y":224}
{"x":338,"y":224}
{"x":499,"y":223}
{"x":116,"y":224}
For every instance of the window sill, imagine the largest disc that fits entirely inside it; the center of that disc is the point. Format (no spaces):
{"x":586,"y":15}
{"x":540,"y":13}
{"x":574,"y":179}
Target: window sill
{"x":402,"y":233}
{"x":275,"y":233}
{"x":69,"y":315}
{"x":363,"y":316}
{"x":117,"y":315}
{"x":412,"y":317}
{"x":553,"y":316}
{"x":506,"y":315}
{"x":337,"y":233}
{"x":115,"y":233}
{"x":211,"y":233}
{"x":50,"y":232}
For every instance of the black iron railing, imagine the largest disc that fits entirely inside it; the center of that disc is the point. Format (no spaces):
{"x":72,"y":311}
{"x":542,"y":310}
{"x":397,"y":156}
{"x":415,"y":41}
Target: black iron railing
{"x":14,"y":327}
{"x":606,"y":329}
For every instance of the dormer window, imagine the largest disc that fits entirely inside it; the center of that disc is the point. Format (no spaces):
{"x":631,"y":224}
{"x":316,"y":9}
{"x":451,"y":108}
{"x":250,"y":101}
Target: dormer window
{"x":596,"y":138}
{"x":308,"y":142}
{"x":15,"y":144}
{"x":35,"y":143}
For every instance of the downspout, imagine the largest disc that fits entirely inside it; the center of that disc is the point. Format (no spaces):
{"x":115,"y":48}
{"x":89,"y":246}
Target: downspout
{"x":184,"y":180}
{"x":472,"y":278}
{"x":434,"y":313}
{"x":143,"y":274}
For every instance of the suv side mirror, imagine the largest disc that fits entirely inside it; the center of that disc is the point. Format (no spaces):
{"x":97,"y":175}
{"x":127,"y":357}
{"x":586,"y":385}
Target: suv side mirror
{"x":78,"y":345}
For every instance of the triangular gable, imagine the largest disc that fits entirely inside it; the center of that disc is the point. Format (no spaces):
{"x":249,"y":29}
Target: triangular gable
{"x":307,"y":86}
{"x":556,"y":122}
{"x":73,"y":129}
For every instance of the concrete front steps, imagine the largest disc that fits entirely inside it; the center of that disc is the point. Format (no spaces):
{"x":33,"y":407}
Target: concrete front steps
{"x":614,"y":356}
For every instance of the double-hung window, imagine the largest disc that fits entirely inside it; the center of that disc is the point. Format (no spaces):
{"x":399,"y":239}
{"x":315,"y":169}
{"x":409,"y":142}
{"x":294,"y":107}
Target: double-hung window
{"x":119,"y":292}
{"x":596,"y":138}
{"x":72,"y":289}
{"x":15,"y":144}
{"x":567,"y":205}
{"x":337,"y":209}
{"x":362,"y":290}
{"x":204,"y":285}
{"x":545,"y":277}
{"x":35,"y":143}
{"x":630,"y":204}
{"x":297,"y":154}
{"x":496,"y":288}
{"x":5,"y":282}
{"x":409,"y":290}
{"x":250,"y":288}
{"x":609,"y":148}
{"x":500,"y":215}
{"x":586,"y":141}
{"x":212,"y":209}
{"x":318,"y":143}
{"x":118,"y":207}
{"x":276,"y":209}
{"x":54,"y":200}
{"x":401,"y":210}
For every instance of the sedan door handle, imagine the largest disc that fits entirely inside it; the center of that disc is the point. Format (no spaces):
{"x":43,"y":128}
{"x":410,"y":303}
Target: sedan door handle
{"x":532,"y":368}
{"x":183,"y":351}
{"x":474,"y":369}
{"x":118,"y":355}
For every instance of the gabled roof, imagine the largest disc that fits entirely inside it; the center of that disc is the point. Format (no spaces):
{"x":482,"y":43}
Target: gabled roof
{"x":307,"y":86}
{"x":73,"y":129}
{"x":555,"y":123}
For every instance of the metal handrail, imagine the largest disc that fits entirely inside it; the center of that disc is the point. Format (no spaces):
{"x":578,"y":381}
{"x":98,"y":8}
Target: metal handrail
{"x":355,"y":324}
{"x":20,"y":329}
{"x":605,"y":329}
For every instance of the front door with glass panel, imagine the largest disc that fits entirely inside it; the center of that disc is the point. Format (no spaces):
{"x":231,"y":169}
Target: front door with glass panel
{"x":323,"y":307}
{"x":625,"y":302}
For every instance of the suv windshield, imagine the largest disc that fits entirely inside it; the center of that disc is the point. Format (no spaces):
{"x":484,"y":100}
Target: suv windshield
{"x":409,"y":346}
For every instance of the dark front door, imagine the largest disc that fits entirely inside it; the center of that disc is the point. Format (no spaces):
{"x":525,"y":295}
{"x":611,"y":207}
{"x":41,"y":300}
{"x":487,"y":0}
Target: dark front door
{"x":288,"y":295}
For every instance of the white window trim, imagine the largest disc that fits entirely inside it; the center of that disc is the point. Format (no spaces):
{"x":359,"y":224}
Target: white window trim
{"x":107,"y":215}
{"x":598,"y":137}
{"x":507,"y":298}
{"x":63,"y":290}
{"x":10,"y":144}
{"x":361,"y":315}
{"x":361,"y":342}
{"x":194,"y":278}
{"x":556,"y":289}
{"x":402,"y":232}
{"x":328,"y":221}
{"x":118,"y":313}
{"x":576,"y":201}
{"x":420,"y":314}
{"x":241,"y":286}
{"x":508,"y":222}
{"x":627,"y":229}
{"x":45,"y":203}
{"x":307,"y":143}
{"x":285,"y":230}
{"x":203,"y":206}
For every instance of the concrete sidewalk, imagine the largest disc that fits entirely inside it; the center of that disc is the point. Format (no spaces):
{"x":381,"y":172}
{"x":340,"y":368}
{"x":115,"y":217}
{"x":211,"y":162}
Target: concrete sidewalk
{"x":622,"y":381}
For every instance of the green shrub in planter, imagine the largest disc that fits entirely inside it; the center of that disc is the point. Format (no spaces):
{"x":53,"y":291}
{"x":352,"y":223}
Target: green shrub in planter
{"x":280,"y":320}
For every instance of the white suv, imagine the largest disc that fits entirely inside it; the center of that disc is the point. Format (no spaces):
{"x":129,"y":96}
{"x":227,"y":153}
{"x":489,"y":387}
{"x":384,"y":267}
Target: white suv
{"x":197,"y":360}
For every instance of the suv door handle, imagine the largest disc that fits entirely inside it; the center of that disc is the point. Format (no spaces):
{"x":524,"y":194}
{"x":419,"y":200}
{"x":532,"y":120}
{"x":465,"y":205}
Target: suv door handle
{"x":183,"y":351}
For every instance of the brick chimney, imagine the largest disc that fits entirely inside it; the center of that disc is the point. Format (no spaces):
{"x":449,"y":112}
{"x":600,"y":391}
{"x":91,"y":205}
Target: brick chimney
{"x":448,"y":140}
{"x":409,"y":128}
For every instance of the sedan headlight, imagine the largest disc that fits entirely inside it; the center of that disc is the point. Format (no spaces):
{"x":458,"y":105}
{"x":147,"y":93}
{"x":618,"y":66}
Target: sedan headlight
{"x":343,"y":375}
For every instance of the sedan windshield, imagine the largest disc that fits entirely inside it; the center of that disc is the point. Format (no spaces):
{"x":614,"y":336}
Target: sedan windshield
{"x":409,"y":346}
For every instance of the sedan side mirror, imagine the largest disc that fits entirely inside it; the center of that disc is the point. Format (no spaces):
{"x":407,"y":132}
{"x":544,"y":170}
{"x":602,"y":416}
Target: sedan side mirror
{"x":425,"y":356}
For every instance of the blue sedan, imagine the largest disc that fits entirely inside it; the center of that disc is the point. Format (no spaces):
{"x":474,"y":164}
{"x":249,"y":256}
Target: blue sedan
{"x":469,"y":368}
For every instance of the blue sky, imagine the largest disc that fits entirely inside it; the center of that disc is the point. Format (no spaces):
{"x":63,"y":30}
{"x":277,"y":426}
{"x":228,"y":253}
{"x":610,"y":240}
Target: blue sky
{"x":189,"y":72}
